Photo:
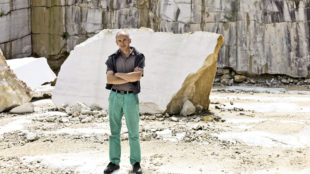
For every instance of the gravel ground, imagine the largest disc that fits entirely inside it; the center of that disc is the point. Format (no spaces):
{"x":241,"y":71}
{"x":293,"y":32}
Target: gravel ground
{"x":244,"y":132}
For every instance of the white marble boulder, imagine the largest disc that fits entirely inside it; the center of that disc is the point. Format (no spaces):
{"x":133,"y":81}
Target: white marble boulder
{"x":13,"y":91}
{"x":33,"y":71}
{"x":179,"y":67}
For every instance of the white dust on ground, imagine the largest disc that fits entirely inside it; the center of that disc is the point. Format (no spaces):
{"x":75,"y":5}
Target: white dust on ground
{"x":262,"y":133}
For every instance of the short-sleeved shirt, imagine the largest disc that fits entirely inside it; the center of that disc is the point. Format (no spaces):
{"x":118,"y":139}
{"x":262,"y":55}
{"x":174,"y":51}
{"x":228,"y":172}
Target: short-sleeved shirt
{"x":119,"y":63}
{"x":125,"y":65}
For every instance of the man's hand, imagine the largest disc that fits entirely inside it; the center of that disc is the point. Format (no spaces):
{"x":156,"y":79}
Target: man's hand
{"x":132,"y":76}
{"x":112,"y":79}
{"x":137,"y":69}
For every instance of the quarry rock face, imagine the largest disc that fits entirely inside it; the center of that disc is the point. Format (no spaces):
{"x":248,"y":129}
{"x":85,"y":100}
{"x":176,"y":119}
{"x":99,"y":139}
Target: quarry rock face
{"x":178,"y":67}
{"x":261,"y":36}
{"x":15,"y":28}
{"x":13,"y":92}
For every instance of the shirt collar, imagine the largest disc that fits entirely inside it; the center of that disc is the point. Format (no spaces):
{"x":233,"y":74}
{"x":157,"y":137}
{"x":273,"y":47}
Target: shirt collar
{"x":132,"y":52}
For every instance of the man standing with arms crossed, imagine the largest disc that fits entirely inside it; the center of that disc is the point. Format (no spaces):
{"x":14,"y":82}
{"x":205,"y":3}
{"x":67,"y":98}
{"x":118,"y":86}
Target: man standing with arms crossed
{"x":124,"y":71}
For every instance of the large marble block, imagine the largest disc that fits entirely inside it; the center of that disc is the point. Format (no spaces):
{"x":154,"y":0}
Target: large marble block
{"x":33,"y":71}
{"x":12,"y":91}
{"x":179,"y":67}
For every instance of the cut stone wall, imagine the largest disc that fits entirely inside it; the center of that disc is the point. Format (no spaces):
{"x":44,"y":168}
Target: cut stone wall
{"x":15,"y":28}
{"x":261,"y":36}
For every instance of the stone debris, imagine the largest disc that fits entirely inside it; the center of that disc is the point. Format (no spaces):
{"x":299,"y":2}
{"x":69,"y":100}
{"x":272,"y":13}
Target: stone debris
{"x":64,"y":120}
{"x":175,"y":119}
{"x":188,"y":108}
{"x":49,"y":116}
{"x":18,"y":165}
{"x":42,"y":92}
{"x":239,"y":78}
{"x":80,"y":108}
{"x":87,"y":119}
{"x":227,"y":82}
{"x":95,"y":107}
{"x":226,"y":71}
{"x":12,"y":91}
{"x":31,"y":137}
{"x":25,"y":108}
{"x":199,"y":109}
{"x":78,"y":113}
{"x":149,"y":108}
{"x":19,"y":138}
{"x":229,"y":77}
{"x":176,"y":131}
{"x":207,"y":118}
{"x":231,"y":102}
{"x":226,"y":76}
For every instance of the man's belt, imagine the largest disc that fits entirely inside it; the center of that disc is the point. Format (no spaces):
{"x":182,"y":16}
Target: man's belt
{"x":122,"y":92}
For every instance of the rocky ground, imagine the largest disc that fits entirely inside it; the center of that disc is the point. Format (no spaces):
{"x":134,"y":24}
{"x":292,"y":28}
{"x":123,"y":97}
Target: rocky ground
{"x":248,"y":130}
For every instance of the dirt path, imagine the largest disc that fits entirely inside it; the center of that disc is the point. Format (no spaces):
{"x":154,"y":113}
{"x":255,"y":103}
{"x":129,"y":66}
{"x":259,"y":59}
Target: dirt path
{"x":253,"y":133}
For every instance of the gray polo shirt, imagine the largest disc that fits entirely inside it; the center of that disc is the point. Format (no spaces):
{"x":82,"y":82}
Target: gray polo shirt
{"x":125,"y":65}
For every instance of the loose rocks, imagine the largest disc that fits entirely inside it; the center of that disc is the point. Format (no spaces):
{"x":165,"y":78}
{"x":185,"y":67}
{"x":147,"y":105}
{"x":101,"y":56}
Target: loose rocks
{"x":188,"y":108}
{"x":25,"y":108}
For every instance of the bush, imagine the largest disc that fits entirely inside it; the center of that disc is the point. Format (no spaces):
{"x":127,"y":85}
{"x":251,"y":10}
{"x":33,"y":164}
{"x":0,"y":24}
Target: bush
{"x":1,"y":13}
{"x":65,"y":35}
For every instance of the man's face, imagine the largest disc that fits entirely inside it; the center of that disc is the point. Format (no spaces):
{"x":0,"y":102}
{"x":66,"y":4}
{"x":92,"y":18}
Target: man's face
{"x":123,"y":42}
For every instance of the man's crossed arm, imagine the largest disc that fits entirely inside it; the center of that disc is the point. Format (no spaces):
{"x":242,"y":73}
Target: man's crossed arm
{"x":122,"y":78}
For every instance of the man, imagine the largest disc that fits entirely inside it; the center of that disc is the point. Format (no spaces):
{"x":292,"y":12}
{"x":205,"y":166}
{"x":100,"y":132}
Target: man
{"x":124,"y":70}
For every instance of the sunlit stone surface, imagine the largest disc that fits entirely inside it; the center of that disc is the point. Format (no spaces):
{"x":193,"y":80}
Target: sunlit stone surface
{"x":12,"y":90}
{"x":33,"y":71}
{"x":182,"y":64}
{"x":261,"y":36}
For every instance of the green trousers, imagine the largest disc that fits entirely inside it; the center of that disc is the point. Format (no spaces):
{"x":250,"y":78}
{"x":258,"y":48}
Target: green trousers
{"x":128,"y":105}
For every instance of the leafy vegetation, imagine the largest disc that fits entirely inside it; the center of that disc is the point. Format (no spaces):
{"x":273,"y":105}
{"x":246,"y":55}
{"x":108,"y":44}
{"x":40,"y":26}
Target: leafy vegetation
{"x":65,"y":35}
{"x":1,"y":13}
